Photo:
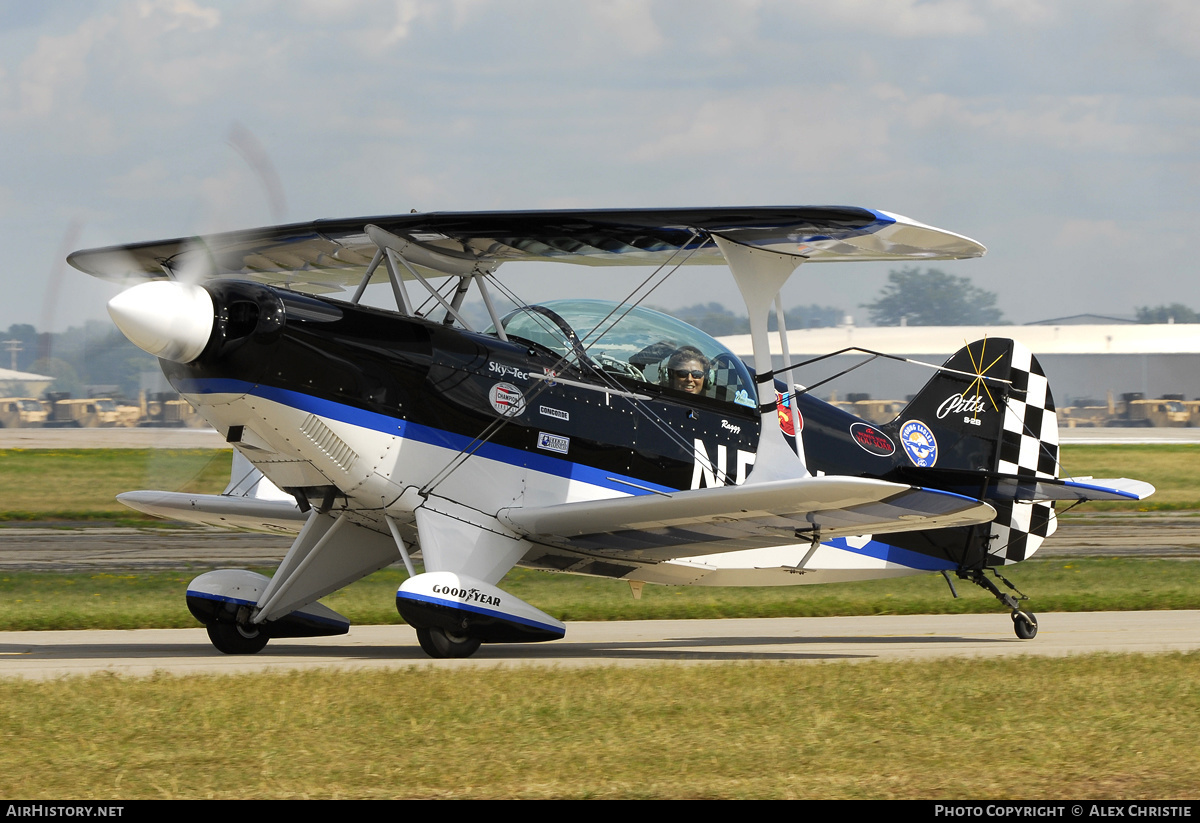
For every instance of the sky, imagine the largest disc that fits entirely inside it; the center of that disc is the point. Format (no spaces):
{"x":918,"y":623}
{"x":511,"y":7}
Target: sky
{"x":1065,"y":135}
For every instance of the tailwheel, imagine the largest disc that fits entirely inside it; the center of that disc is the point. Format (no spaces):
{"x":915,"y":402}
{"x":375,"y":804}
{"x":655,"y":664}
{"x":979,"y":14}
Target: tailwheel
{"x":439,"y":643}
{"x":1024,"y":624}
{"x":234,"y":638}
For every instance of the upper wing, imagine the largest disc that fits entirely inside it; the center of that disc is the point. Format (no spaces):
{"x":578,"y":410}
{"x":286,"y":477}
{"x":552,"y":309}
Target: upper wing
{"x":656,"y":527}
{"x":332,"y":254}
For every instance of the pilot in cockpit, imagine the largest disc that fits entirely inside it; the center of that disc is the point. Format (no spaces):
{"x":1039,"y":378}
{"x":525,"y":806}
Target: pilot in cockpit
{"x":687,"y":370}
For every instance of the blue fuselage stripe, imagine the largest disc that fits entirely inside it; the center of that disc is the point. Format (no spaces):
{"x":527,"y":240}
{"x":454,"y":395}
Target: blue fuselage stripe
{"x":397,"y":427}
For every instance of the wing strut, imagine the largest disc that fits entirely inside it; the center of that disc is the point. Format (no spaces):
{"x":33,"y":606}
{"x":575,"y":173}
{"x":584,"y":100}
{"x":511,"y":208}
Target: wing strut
{"x":759,"y":275}
{"x":395,"y":251}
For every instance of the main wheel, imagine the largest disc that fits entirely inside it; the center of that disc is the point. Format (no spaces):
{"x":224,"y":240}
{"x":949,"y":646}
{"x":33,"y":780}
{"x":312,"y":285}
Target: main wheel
{"x":1025,"y":625}
{"x":439,"y":643}
{"x":233,"y":638}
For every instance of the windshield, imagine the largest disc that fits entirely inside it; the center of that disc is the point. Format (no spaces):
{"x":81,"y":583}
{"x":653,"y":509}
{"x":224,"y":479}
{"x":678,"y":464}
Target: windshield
{"x":638,"y":344}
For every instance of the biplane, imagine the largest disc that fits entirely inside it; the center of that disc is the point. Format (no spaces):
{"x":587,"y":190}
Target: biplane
{"x":580,"y":436}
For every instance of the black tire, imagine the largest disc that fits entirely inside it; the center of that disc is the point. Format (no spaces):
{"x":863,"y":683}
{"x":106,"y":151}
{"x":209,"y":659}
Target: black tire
{"x":231,"y":638}
{"x":1025,"y":625}
{"x":439,"y":644}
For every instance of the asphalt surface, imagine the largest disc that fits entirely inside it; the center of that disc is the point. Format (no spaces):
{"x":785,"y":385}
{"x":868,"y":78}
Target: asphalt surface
{"x":90,"y":549}
{"x":42,"y":655}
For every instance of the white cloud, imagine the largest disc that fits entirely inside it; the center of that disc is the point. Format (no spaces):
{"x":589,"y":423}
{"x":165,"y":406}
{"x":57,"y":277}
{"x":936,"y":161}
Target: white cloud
{"x":1077,"y":233}
{"x":55,"y":74}
{"x":1026,"y":12}
{"x":815,"y":129}
{"x":629,"y":24}
{"x":145,"y":180}
{"x":1105,"y":123}
{"x":179,"y":14}
{"x":901,"y":18}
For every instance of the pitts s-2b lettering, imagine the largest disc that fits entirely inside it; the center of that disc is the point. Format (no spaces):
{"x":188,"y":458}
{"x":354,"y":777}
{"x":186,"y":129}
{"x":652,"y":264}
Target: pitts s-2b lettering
{"x":576,"y":436}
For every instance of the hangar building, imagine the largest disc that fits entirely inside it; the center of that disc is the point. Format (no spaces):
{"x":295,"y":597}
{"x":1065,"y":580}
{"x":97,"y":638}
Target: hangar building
{"x":1084,"y":362}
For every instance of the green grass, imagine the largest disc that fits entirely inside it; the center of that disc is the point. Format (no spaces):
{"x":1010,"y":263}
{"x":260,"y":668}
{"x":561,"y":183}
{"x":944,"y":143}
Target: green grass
{"x":82,"y":484}
{"x":1094,"y":727}
{"x":1174,"y":471}
{"x":31,"y":601}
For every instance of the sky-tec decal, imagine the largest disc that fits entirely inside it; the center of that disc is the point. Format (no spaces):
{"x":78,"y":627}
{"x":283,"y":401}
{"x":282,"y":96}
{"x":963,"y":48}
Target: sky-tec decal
{"x":872,"y":440}
{"x":919,"y":443}
{"x":707,"y":473}
{"x":506,"y":399}
{"x":553,"y":442}
{"x":556,"y":413}
{"x":969,"y":407}
{"x":502,"y":370}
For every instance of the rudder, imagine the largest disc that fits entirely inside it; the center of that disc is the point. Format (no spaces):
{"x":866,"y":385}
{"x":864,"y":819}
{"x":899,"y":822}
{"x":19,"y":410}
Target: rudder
{"x":989,"y":410}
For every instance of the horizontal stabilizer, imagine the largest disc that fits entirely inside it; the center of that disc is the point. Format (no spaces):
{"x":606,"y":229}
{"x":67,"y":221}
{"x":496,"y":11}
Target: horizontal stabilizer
{"x":1108,"y":488}
{"x":250,"y":502}
{"x":225,"y":511}
{"x":657,"y":527}
{"x":1029,"y":489}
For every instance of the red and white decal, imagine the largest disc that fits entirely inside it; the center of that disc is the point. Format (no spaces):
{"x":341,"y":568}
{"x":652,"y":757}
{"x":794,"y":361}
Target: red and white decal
{"x":506,"y":399}
{"x":785,"y":416}
{"x":872,"y":440}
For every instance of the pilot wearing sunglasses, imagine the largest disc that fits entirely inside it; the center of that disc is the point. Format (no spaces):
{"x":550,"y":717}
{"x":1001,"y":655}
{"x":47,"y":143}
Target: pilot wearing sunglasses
{"x":687,"y":370}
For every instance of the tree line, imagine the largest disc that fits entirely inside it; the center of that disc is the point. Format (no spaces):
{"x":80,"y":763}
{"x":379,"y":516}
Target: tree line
{"x":96,"y":354}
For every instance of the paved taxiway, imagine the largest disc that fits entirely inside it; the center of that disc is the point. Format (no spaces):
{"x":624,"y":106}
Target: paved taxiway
{"x":41,"y":655}
{"x":187,"y":651}
{"x":1151,"y":534}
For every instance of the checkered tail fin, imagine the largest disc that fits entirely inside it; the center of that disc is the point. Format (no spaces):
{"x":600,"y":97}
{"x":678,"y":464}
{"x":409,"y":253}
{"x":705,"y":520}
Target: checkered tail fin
{"x":989,"y":410}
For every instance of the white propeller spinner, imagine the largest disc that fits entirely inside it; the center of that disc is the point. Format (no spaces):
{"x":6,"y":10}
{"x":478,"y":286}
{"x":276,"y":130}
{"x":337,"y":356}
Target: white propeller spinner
{"x":168,"y":319}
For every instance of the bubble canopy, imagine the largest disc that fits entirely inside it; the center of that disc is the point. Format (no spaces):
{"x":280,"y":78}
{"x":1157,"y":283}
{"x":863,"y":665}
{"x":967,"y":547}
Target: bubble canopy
{"x":632,"y":343}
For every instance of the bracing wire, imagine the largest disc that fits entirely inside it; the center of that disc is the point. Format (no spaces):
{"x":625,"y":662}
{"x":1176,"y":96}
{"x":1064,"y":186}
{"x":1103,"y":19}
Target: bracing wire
{"x":605,"y":379}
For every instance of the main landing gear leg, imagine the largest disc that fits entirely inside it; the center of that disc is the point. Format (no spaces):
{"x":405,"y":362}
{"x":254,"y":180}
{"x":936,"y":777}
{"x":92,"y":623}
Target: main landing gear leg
{"x":1024,"y":622}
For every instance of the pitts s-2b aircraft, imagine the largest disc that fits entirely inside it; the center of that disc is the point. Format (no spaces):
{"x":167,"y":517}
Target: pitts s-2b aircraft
{"x":573,"y":436}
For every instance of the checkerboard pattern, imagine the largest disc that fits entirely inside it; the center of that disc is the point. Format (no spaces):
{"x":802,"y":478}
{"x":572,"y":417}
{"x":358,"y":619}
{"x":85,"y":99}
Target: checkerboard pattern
{"x":725,"y":378}
{"x":1028,"y":448}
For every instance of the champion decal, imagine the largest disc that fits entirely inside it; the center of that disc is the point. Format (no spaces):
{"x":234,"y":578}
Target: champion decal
{"x":919,"y":443}
{"x":421,"y":433}
{"x":506,"y":399}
